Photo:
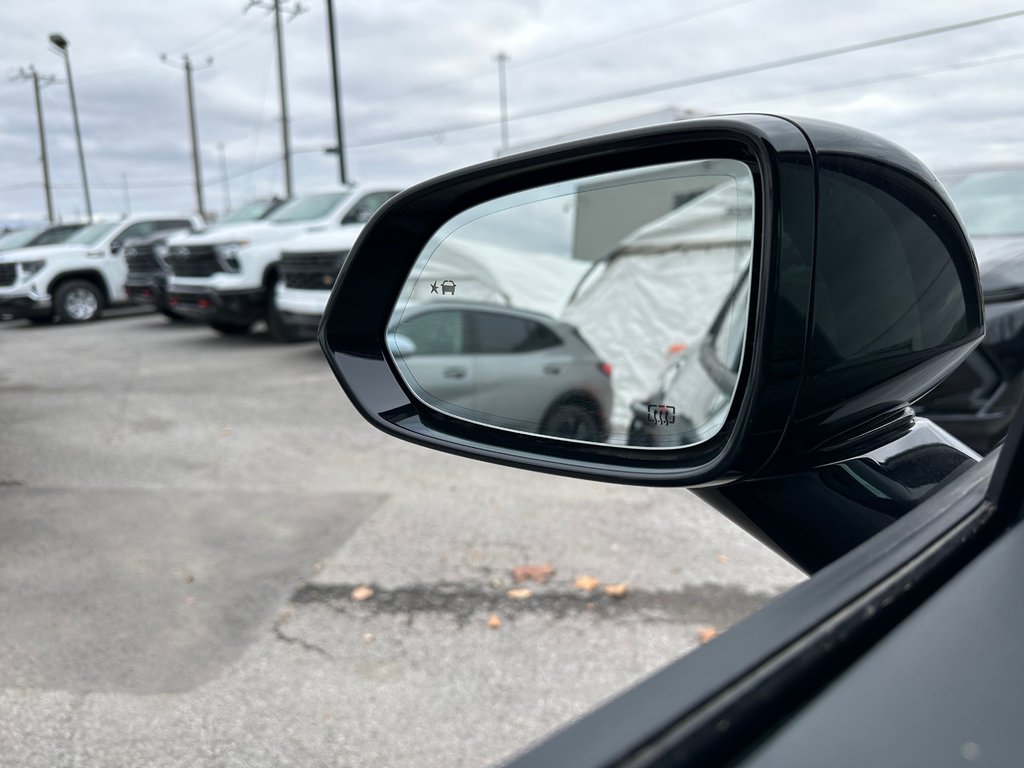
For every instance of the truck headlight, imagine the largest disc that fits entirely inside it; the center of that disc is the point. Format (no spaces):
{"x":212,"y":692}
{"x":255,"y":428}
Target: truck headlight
{"x":29,"y":268}
{"x":227,"y":254}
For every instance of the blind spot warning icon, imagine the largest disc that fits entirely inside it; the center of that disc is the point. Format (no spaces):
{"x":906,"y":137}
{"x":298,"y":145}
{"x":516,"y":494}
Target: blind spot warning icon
{"x":448,"y":286}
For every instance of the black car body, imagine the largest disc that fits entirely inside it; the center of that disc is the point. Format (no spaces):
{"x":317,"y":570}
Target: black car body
{"x":978,"y":401}
{"x":902,"y":649}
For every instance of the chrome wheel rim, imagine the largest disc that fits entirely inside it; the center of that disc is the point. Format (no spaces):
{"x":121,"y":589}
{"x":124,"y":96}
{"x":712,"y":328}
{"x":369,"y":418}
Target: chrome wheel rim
{"x":81,"y":304}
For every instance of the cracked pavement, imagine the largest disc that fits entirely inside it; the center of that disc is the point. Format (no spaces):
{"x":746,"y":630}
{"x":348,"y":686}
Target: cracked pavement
{"x":184,"y":518}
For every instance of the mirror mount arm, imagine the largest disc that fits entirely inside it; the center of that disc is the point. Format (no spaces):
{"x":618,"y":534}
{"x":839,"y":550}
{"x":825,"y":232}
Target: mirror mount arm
{"x":815,"y":516}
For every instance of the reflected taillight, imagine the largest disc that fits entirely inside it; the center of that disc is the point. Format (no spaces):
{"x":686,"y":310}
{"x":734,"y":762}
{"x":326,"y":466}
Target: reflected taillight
{"x":605,"y":368}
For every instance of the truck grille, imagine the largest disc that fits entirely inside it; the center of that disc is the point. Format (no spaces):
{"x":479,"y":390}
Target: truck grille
{"x":141,"y":259}
{"x":6,"y":274}
{"x":311,"y":271}
{"x":193,"y":261}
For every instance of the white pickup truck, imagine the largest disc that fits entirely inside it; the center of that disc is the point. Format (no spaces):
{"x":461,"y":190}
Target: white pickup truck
{"x":228,"y":278}
{"x":75,"y":280}
{"x":308,"y":268}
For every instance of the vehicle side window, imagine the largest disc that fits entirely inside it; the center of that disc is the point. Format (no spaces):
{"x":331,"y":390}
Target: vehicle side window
{"x":141,"y":229}
{"x":162,"y":226}
{"x":500,"y":335}
{"x":361,"y":212}
{"x":435,"y":333}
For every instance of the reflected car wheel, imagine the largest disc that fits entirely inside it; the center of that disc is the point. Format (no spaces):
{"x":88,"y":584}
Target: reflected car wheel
{"x":572,"y":421}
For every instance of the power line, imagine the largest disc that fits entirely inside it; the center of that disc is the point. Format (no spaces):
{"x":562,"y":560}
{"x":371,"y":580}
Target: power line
{"x":587,"y":45}
{"x":697,"y":80}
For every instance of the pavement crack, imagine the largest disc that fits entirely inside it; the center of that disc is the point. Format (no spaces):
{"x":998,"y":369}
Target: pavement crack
{"x":292,"y":640}
{"x":465,"y":601}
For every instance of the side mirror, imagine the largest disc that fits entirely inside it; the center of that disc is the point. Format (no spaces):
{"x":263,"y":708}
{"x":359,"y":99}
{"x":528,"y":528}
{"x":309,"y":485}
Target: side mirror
{"x":116,"y":245}
{"x":817,"y":275}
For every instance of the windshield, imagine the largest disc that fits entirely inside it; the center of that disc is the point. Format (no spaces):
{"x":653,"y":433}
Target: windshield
{"x":991,"y":203}
{"x":249,"y":212}
{"x":92,"y":234}
{"x":308,"y":208}
{"x":18,"y":238}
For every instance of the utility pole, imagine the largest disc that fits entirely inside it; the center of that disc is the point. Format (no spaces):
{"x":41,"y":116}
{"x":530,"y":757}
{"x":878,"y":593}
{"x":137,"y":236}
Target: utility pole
{"x":37,"y":82}
{"x":274,"y":7}
{"x":127,"y":194}
{"x":336,"y":80}
{"x":224,"y":178}
{"x":60,"y":46}
{"x":502,"y":59}
{"x":197,"y":172}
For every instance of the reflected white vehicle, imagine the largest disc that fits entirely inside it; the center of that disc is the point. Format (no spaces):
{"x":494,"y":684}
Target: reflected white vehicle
{"x":507,"y":367}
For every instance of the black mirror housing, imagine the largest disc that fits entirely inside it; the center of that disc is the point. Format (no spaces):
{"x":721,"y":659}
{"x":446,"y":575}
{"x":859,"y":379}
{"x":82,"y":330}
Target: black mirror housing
{"x":825,"y":369}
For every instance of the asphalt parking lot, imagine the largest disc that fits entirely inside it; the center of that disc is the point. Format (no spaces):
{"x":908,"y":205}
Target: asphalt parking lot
{"x":207,"y":558}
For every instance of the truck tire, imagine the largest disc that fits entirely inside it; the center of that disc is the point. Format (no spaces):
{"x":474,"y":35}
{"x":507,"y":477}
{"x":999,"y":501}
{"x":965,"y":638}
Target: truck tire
{"x":78,"y":301}
{"x":279,"y":329}
{"x":230,"y":329}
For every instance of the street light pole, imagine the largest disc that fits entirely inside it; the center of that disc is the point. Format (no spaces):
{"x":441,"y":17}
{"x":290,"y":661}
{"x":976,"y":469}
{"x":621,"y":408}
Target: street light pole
{"x":36,"y":78}
{"x":336,"y":80}
{"x":60,"y":44}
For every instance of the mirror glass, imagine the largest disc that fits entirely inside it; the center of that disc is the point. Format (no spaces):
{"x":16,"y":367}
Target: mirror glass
{"x":606,"y":309}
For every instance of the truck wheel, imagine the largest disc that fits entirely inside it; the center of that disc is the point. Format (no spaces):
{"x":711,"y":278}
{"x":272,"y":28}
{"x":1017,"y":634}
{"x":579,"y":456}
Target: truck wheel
{"x":230,"y":329}
{"x":78,"y":301}
{"x":170,"y":314}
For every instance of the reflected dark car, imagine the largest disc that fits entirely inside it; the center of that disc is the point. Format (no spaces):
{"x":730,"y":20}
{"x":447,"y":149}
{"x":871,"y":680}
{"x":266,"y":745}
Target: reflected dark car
{"x":977,"y":402}
{"x":694,"y":391}
{"x":512,"y":368}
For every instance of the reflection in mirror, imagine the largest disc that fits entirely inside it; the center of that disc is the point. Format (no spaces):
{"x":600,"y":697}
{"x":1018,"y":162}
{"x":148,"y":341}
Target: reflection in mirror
{"x":607,"y":309}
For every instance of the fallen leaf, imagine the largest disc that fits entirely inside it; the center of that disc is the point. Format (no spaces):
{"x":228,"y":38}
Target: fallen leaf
{"x":706,"y":634}
{"x":539,"y":573}
{"x":587,"y":583}
{"x":519,"y":594}
{"x":723,"y":558}
{"x":369,"y":637}
{"x":494,"y":622}
{"x":359,"y":594}
{"x":617,"y":590}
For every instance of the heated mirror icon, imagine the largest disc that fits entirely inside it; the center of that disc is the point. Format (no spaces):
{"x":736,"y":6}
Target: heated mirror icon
{"x":662,"y":415}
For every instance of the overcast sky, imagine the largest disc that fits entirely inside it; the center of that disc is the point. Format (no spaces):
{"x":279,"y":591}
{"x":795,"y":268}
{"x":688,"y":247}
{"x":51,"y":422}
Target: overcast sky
{"x":416,"y":71}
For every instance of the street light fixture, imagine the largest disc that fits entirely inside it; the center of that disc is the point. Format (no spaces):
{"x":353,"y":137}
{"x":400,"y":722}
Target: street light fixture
{"x":60,"y":45}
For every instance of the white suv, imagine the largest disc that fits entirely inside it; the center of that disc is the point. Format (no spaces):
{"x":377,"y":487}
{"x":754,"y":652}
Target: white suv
{"x":74,"y":280}
{"x":228,"y":277}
